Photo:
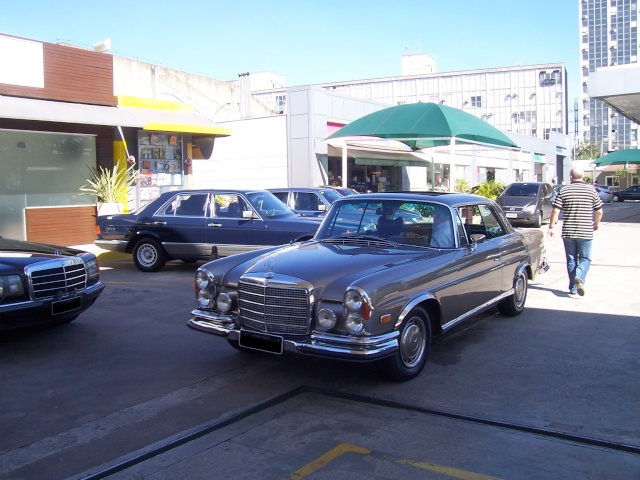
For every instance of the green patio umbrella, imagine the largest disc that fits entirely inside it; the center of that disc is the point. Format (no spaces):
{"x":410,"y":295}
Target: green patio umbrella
{"x":424,"y":125}
{"x":619,"y":157}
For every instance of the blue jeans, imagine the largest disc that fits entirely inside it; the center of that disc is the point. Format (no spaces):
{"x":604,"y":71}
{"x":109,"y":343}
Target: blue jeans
{"x":578,"y":252}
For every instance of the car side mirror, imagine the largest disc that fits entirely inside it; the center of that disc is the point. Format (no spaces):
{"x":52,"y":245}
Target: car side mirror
{"x":478,"y":238}
{"x":322,"y":207}
{"x":247,"y":214}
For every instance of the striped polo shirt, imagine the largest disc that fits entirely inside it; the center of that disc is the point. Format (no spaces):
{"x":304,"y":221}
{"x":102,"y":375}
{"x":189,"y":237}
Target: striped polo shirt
{"x":578,"y":201}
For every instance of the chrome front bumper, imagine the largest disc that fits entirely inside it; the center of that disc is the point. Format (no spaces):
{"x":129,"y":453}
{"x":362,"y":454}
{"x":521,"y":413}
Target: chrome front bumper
{"x":317,"y":343}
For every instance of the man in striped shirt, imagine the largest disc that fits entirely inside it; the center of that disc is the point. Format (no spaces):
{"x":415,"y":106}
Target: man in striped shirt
{"x":581,"y":214}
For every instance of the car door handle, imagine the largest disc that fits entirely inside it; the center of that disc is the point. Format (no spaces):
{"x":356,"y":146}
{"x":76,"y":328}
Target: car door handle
{"x":159,"y":223}
{"x":214,"y":224}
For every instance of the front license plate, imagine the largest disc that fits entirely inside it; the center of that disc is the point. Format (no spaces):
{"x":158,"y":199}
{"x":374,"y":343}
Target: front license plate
{"x":65,"y":306}
{"x":261,"y":341}
{"x":512,"y":215}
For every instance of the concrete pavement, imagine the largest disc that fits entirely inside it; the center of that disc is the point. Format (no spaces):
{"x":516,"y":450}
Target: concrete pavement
{"x":564,"y":367}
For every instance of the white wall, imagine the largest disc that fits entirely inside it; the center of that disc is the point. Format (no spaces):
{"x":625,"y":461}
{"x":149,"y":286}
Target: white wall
{"x":309,"y":110}
{"x":254,"y":156}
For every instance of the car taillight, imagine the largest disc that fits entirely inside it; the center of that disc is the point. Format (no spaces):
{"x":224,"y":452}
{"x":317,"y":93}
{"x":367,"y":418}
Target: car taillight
{"x":97,"y":230}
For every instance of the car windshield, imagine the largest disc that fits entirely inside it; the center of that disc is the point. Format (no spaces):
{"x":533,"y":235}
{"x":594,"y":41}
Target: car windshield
{"x":394,"y":220}
{"x":521,"y":190}
{"x":330,"y":195}
{"x":268,"y":205}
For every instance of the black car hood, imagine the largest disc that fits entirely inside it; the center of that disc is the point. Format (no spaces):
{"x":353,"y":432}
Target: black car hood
{"x":16,"y":253}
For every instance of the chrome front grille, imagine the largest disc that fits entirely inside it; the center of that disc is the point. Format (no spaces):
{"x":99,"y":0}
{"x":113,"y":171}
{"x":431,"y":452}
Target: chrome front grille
{"x":279,"y":310}
{"x":57,"y":279}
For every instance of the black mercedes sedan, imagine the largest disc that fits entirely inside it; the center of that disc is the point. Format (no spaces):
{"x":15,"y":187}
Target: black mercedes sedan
{"x":45,"y":284}
{"x":193,"y":225}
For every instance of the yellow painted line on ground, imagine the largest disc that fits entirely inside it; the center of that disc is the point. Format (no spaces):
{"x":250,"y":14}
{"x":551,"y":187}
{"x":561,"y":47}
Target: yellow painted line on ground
{"x":451,"y":472}
{"x":320,"y":462}
{"x":343,"y":448}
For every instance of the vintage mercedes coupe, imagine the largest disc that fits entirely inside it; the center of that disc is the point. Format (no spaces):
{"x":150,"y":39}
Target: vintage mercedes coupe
{"x":384,"y":275}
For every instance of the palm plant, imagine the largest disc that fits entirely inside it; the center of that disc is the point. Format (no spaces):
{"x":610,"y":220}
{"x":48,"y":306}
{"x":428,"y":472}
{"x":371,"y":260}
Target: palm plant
{"x":110,"y":185}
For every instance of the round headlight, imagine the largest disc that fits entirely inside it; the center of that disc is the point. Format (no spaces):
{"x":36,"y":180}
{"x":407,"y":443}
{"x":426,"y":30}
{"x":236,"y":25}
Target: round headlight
{"x":204,"y":299}
{"x":326,"y":319}
{"x":354,"y":324}
{"x":223,"y":302}
{"x":353,"y":300}
{"x":203,"y":279}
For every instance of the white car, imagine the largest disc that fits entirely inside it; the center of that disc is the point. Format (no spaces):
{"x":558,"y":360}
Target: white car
{"x":606,"y":194}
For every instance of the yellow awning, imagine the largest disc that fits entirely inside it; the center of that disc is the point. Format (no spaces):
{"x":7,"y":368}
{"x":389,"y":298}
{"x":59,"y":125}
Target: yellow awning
{"x":168,"y":116}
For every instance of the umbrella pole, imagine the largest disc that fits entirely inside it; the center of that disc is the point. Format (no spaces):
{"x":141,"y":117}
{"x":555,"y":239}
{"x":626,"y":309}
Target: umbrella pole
{"x":433,"y":174}
{"x":345,"y":178}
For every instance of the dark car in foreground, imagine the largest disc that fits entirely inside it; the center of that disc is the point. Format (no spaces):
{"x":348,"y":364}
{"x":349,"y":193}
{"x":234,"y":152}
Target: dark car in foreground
{"x":192,"y":225}
{"x":527,"y":203}
{"x":631,"y":193}
{"x":384,"y":275}
{"x":45,"y":284}
{"x":311,"y":201}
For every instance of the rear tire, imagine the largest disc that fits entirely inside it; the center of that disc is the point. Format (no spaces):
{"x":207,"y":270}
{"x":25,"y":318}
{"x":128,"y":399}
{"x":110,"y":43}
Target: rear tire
{"x":414,"y":343}
{"x":513,"y":305}
{"x":148,"y":255}
{"x":616,"y":198}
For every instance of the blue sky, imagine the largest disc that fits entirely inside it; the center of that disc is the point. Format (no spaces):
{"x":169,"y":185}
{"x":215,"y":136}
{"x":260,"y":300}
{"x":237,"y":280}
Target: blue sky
{"x":311,"y":41}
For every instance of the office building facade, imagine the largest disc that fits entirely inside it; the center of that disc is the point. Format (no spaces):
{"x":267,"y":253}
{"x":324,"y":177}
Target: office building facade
{"x":608,"y":37}
{"x":527,"y":100}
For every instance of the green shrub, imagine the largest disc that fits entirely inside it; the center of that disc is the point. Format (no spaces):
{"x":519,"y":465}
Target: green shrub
{"x":461,"y":186}
{"x":490,"y":189}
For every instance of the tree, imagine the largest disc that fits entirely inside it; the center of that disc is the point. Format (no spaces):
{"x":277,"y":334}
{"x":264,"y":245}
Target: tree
{"x":587,"y":151}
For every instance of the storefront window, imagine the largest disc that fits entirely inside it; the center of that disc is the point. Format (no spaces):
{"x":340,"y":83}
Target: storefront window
{"x":438,"y":177}
{"x":493,"y":175}
{"x":160,"y":159}
{"x":41,"y":169}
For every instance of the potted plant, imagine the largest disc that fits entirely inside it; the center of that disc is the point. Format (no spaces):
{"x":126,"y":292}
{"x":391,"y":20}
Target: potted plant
{"x":110,"y":186}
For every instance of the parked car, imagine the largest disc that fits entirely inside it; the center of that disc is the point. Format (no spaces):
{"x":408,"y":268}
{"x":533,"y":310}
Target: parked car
{"x":605,"y":193}
{"x":344,"y":191}
{"x":527,"y":203}
{"x":312,"y":201}
{"x":631,"y":193}
{"x":192,"y":225}
{"x":372,"y":291}
{"x":45,"y":284}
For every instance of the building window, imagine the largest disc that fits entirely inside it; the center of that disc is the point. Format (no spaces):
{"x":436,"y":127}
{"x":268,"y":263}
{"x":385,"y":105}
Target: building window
{"x":476,"y":101}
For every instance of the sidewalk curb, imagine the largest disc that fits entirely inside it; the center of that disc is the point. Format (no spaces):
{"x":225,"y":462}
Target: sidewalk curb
{"x":103,"y":256}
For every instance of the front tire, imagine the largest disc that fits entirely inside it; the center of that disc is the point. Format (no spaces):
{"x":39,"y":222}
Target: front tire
{"x":148,"y":255}
{"x":414,"y":343}
{"x":616,"y":198}
{"x":538,"y":220}
{"x":513,"y":305}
